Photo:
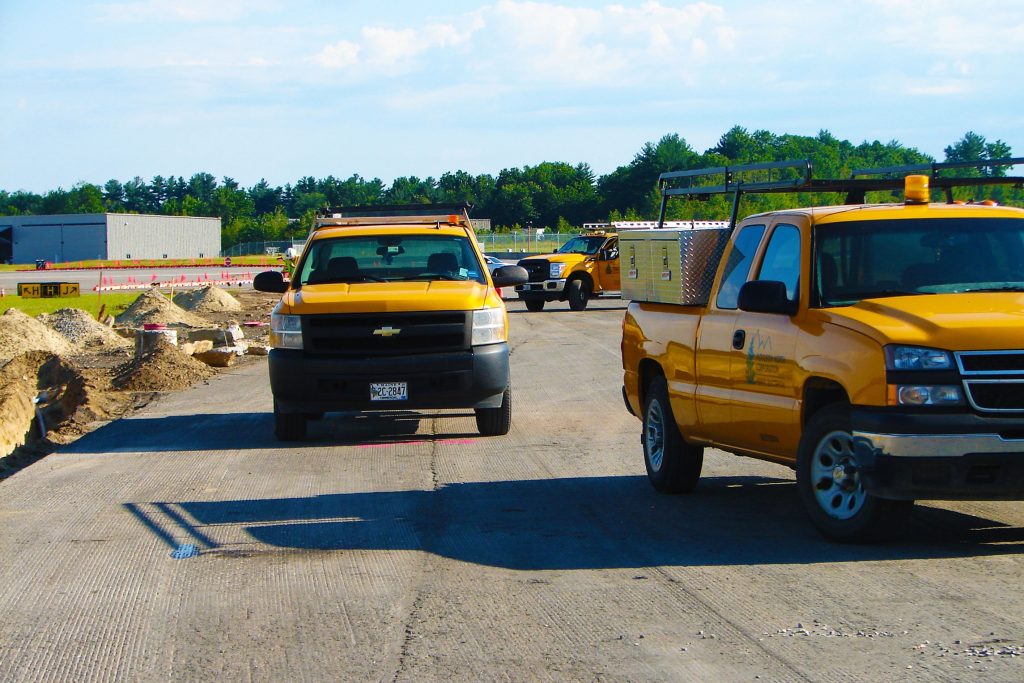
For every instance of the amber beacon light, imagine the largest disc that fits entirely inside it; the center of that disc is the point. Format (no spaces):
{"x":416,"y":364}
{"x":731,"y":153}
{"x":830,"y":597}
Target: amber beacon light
{"x":916,"y":190}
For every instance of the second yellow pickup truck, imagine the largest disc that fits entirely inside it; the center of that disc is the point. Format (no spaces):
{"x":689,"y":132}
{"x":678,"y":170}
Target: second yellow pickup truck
{"x":877,"y":349}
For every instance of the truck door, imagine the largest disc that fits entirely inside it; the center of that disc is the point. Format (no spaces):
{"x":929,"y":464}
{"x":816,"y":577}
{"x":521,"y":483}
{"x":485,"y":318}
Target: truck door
{"x":608,"y":266}
{"x":765,"y":397}
{"x":715,"y":341}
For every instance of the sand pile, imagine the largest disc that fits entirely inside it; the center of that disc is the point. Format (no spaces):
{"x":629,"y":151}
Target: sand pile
{"x":165,"y":368}
{"x":81,"y":329}
{"x":208,"y":299}
{"x":154,"y":307}
{"x":20,"y":333}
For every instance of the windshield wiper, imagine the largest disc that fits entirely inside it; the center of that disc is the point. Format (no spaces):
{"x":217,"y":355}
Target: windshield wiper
{"x":891,"y":292}
{"x":433,"y":276}
{"x":1005,"y":288}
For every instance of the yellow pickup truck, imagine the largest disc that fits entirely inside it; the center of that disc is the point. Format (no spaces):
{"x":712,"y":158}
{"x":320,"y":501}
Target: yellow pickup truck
{"x":390,"y":308}
{"x":584,"y":267}
{"x":877,"y":349}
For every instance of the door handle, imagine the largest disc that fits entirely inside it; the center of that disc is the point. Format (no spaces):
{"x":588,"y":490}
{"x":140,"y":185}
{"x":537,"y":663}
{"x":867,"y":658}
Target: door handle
{"x":738,"y":338}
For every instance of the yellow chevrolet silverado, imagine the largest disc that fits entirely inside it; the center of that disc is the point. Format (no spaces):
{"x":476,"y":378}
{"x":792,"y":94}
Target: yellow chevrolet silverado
{"x":390,"y":308}
{"x":877,"y":349}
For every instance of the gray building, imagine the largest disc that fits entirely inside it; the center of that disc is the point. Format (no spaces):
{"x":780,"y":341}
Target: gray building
{"x":81,"y":237}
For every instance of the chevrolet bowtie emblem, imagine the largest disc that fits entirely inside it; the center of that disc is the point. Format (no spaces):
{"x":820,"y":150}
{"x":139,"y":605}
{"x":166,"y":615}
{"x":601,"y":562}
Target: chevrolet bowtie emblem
{"x":386,"y":331}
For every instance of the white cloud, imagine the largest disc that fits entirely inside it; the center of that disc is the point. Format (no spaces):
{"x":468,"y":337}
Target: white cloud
{"x":529,"y":42}
{"x":383,"y":50}
{"x":340,"y":55}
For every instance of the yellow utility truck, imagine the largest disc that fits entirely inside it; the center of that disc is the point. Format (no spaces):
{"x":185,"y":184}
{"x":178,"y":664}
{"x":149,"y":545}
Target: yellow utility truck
{"x":584,"y":267}
{"x":877,"y":349}
{"x":390,"y":308}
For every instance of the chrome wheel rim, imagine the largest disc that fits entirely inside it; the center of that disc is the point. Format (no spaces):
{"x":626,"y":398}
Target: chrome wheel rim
{"x":654,"y":435}
{"x":835,"y":476}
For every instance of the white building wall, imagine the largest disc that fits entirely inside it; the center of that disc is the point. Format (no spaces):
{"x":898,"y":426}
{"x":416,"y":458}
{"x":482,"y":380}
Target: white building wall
{"x":136,"y":236}
{"x":82,"y":237}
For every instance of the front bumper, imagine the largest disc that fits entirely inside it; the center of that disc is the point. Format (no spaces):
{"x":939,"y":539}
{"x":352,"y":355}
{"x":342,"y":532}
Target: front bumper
{"x":949,"y":456}
{"x":304,"y":383}
{"x":551,"y":290}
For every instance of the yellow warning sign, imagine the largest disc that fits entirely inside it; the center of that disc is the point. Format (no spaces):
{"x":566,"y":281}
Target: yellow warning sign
{"x":47,"y":290}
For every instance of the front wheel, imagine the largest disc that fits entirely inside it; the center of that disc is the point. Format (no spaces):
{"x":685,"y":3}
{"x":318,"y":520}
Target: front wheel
{"x":534,"y":305}
{"x":579,"y":294}
{"x":496,"y":421}
{"x":673,"y":466}
{"x":828,"y":478}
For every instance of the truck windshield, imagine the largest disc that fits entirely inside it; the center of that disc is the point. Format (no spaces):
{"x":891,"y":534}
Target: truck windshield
{"x":582,"y":244}
{"x":387,"y":258}
{"x":860,"y":260}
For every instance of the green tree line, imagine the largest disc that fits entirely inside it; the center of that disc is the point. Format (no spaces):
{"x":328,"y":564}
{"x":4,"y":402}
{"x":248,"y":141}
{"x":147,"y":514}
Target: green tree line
{"x":553,"y":195}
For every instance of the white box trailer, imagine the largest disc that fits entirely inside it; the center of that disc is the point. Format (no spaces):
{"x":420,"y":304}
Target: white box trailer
{"x":672,"y":265}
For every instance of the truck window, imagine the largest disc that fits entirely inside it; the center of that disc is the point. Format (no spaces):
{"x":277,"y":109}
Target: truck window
{"x":782,"y":258}
{"x":387,"y":258}
{"x":858,"y":260}
{"x":582,"y":244}
{"x":738,"y":266}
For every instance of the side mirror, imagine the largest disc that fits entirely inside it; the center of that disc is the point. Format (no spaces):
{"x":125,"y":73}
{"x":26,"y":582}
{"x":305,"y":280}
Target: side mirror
{"x":270,"y":281}
{"x":508,"y":276}
{"x":766,"y":296}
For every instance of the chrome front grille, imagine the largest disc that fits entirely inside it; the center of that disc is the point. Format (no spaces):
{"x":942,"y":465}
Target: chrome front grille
{"x":993,"y":380}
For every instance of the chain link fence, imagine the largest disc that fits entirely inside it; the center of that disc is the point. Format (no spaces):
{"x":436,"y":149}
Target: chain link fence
{"x":492,"y":243}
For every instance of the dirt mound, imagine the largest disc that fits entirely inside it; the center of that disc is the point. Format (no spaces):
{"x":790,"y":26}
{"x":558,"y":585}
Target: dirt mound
{"x":208,"y":299}
{"x":20,"y":333}
{"x":37,"y":388}
{"x":81,"y":329}
{"x":154,"y":307}
{"x":165,"y":368}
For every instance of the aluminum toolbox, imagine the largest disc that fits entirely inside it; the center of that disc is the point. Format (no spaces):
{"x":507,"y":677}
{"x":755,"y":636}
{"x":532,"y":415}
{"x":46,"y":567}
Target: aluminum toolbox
{"x":672,"y":265}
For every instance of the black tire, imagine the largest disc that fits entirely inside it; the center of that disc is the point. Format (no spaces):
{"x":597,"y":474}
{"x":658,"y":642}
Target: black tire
{"x":289,"y":426}
{"x":496,"y":421}
{"x":534,"y":304}
{"x":673,"y":466}
{"x":579,"y":294}
{"x":828,"y":480}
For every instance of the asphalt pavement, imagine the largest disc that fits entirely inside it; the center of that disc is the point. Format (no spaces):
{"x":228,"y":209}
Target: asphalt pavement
{"x":186,"y":543}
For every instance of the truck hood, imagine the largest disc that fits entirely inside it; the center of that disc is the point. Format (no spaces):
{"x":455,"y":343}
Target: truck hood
{"x":560,"y":258}
{"x":381,"y":297}
{"x":955,"y":322}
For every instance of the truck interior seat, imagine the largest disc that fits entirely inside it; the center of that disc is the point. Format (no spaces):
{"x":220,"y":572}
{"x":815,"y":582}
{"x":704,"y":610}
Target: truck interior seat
{"x":338,"y":269}
{"x":443,"y":262}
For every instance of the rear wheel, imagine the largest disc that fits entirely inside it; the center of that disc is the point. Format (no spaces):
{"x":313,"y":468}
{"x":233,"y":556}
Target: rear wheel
{"x":828,"y":477}
{"x":496,"y":421}
{"x":579,"y":294}
{"x":289,"y":426}
{"x":673,"y":466}
{"x":534,"y":304}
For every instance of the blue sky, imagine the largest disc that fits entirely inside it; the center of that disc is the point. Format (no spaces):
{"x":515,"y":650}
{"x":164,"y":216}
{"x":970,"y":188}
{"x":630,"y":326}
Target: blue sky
{"x":281,"y":89}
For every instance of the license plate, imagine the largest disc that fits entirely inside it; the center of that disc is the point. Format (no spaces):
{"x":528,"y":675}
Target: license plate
{"x":389,"y":391}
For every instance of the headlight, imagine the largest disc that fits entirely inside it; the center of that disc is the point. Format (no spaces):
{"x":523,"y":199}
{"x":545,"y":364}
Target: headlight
{"x":556,"y":270}
{"x":926,"y":395}
{"x":917,"y":358}
{"x":488,"y":326}
{"x":285,"y":331}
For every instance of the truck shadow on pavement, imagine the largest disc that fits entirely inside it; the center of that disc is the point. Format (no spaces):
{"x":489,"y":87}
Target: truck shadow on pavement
{"x":232,"y":431}
{"x":569,"y":523}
